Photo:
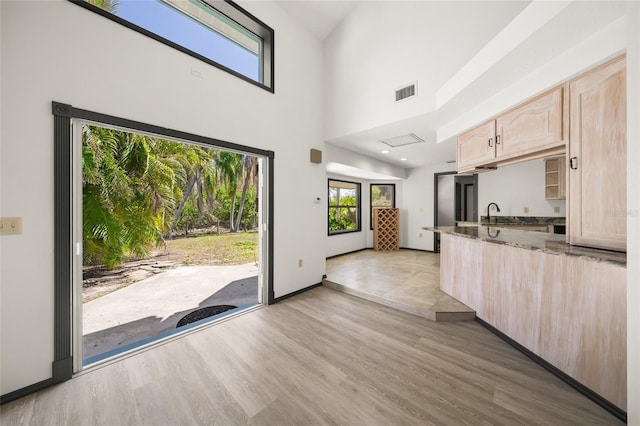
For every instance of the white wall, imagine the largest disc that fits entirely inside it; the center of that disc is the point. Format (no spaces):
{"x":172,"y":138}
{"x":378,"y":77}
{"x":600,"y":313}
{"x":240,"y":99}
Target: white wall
{"x":633,"y":219}
{"x":383,"y":45}
{"x":335,"y":154}
{"x":515,"y":187}
{"x":419,"y":206}
{"x":55,"y":50}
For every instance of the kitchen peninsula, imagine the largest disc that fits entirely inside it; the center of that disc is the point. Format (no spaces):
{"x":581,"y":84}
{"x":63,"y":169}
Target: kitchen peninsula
{"x":564,"y":303}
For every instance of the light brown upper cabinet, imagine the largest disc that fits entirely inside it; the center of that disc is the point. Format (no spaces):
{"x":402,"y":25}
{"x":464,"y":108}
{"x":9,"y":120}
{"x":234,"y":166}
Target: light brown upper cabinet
{"x":477,"y":146}
{"x":531,"y":130}
{"x":598,"y":157}
{"x":532,"y":127}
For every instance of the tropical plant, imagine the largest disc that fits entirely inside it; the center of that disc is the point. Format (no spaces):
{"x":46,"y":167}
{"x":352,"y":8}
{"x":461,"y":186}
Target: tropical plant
{"x":345,"y":216}
{"x":230,"y":167}
{"x":250,"y":172}
{"x":249,"y":217}
{"x":126,"y":190}
{"x":137,"y":189}
{"x":199,"y":164}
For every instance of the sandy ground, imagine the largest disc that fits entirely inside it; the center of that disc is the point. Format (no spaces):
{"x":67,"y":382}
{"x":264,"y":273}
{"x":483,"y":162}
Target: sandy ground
{"x":156,"y":304}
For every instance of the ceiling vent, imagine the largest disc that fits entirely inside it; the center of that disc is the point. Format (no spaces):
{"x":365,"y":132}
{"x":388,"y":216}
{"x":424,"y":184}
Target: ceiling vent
{"x":406,"y":92}
{"x":402,"y":140}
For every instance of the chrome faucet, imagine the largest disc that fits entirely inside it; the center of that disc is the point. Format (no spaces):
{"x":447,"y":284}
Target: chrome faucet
{"x":489,"y":211}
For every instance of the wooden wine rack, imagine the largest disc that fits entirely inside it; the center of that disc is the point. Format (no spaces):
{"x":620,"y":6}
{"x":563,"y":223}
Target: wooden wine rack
{"x":386,"y":229}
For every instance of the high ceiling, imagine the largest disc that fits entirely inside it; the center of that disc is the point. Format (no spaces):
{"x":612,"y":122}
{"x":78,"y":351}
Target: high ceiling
{"x":319,"y":17}
{"x":447,"y":47}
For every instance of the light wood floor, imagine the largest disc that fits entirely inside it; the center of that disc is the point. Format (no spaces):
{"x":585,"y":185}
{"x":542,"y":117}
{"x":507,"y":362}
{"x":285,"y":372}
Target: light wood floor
{"x":408,"y":280}
{"x":322,"y":357}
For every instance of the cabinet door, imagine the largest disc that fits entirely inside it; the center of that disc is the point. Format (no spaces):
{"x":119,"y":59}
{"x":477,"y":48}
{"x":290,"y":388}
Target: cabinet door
{"x":535,"y":126}
{"x":597,"y":151}
{"x":477,"y":146}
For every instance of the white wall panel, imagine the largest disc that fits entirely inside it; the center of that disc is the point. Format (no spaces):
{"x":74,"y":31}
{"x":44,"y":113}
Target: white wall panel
{"x":55,"y":50}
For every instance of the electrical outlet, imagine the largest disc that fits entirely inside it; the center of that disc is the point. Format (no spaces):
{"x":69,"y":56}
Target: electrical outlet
{"x":556,"y":209}
{"x":299,"y":263}
{"x":11,"y":226}
{"x":526,"y":209}
{"x":420,"y":235}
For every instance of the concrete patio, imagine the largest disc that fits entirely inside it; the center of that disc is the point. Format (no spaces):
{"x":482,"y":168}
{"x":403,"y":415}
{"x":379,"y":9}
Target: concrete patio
{"x":156,"y":304}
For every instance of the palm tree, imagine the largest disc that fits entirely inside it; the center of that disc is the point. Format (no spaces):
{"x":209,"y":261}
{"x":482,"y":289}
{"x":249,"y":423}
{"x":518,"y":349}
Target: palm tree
{"x":127,"y":188}
{"x":230,"y":167}
{"x":199,"y":168}
{"x":250,"y":173}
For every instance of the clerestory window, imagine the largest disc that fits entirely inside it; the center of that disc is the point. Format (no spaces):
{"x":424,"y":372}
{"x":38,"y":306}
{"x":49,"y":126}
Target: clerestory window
{"x":219,"y":33}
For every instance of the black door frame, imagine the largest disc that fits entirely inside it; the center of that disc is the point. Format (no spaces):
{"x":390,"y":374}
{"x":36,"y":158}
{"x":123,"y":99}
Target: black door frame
{"x":62,"y":367}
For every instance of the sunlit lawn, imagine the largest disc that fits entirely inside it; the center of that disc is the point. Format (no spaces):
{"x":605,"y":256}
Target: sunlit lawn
{"x":215,"y":249}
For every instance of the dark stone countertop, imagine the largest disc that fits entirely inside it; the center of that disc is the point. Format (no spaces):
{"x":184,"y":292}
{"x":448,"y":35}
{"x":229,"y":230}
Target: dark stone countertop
{"x":537,"y":241}
{"x":523,"y":220}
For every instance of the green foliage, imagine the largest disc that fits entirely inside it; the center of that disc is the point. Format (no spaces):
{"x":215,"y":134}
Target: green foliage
{"x":230,"y":167}
{"x":191,"y":217}
{"x":137,"y":188}
{"x":342,"y":219}
{"x":125,"y":192}
{"x":249,"y":213}
{"x":380,"y":198}
{"x":343,"y":214}
{"x":345,"y":200}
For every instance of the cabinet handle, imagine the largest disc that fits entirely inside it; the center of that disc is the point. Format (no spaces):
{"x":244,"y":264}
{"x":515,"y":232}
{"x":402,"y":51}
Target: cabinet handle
{"x":573,"y":163}
{"x":497,"y":139}
{"x":490,"y":142}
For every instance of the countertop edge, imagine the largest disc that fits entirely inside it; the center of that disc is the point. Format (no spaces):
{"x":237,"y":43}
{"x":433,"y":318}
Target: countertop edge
{"x":586,"y":253}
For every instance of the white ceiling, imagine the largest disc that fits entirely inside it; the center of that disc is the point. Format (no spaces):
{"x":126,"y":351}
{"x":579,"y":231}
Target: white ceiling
{"x":320,"y":17}
{"x":323,"y":17}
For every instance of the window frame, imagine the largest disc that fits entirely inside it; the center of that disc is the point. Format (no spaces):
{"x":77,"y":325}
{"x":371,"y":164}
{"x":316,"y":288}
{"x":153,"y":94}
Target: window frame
{"x":231,"y":11}
{"x":371,"y":206}
{"x":358,"y":207}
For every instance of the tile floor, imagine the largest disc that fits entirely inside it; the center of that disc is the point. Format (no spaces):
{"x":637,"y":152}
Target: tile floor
{"x":407,"y":280}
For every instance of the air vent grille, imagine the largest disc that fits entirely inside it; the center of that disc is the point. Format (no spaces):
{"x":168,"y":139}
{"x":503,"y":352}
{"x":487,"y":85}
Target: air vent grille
{"x":405,"y":92}
{"x":402,"y":140}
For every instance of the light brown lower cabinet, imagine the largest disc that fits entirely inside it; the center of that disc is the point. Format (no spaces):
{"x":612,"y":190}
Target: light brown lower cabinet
{"x":569,"y":311}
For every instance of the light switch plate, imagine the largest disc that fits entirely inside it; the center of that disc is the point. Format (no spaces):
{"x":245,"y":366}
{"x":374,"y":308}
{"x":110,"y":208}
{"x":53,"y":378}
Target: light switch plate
{"x":556,"y":209}
{"x":526,"y":209}
{"x":10,"y":226}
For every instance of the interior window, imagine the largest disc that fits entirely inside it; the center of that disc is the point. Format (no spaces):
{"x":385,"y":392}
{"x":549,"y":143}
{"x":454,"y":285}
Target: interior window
{"x":382,"y":195}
